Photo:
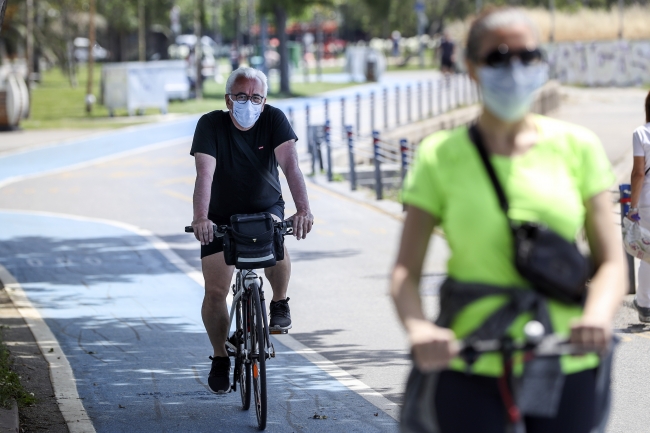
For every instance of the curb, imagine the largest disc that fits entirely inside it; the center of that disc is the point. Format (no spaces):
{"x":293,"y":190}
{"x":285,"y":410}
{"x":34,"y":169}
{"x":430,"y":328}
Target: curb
{"x":9,"y":422}
{"x":365,"y":198}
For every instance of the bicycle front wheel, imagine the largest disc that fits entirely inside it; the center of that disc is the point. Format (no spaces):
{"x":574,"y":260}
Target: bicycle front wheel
{"x":259,"y":359}
{"x":242,"y":367}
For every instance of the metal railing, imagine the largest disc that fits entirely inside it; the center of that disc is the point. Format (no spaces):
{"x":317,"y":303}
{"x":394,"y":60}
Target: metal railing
{"x":384,"y":108}
{"x":382,"y":162}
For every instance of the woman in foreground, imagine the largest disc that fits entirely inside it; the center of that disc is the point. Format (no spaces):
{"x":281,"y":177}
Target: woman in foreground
{"x":552,"y":173}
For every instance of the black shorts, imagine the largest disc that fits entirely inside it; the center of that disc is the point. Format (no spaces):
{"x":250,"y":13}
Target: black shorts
{"x":447,"y":62}
{"x":465,"y":402}
{"x":216,"y":246}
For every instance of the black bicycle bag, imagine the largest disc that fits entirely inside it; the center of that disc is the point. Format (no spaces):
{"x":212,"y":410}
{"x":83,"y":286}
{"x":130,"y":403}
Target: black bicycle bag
{"x":252,"y":242}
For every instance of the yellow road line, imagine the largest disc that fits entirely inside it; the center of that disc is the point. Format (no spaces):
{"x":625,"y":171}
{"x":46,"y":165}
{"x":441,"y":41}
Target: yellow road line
{"x":177,"y":195}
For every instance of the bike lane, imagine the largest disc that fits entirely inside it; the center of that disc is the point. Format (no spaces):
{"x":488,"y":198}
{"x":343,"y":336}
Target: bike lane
{"x":111,"y":305}
{"x":125,"y":317}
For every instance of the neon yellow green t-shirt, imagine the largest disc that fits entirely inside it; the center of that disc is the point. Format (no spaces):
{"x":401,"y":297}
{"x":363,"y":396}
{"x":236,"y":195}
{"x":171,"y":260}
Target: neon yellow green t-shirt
{"x":549,"y":183}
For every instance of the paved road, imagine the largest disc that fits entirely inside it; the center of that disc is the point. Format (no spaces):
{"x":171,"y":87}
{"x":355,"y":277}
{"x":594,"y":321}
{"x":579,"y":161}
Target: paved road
{"x":115,"y":289}
{"x":128,"y":322}
{"x":106,"y":290}
{"x":613,"y":114}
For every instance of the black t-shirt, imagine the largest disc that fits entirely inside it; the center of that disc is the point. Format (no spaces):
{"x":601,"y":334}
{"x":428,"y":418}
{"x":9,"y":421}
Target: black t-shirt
{"x":237,"y":187}
{"x":446,"y":49}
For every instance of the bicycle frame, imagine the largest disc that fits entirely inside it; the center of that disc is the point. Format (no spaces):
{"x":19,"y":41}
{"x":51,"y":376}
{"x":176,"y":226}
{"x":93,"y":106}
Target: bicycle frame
{"x":252,"y":335}
{"x":241,"y":291}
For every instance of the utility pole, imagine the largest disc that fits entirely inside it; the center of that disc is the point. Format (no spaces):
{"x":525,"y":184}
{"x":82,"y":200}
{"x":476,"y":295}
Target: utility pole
{"x":29,"y":41}
{"x":29,"y":47}
{"x":237,"y":22}
{"x":90,"y":98}
{"x":422,"y":22}
{"x":251,"y":20}
{"x":551,"y":6}
{"x":319,"y":46}
{"x":281,"y":31}
{"x":215,"y":22}
{"x":142,"y":48}
{"x":264,"y":41}
{"x":198,"y":86}
{"x":620,"y":17}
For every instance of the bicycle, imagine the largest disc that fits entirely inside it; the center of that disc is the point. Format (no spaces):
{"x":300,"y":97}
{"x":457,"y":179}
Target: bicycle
{"x":250,"y":344}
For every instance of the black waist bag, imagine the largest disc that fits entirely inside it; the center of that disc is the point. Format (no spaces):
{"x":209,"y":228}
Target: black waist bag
{"x":252,"y":242}
{"x":554,"y":266}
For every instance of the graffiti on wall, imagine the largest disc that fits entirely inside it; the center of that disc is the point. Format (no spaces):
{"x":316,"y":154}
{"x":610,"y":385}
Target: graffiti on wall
{"x":605,"y":63}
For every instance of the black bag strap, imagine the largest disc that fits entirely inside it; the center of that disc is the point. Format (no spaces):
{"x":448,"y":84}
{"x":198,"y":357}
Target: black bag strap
{"x":476,"y":138}
{"x":257,"y":164}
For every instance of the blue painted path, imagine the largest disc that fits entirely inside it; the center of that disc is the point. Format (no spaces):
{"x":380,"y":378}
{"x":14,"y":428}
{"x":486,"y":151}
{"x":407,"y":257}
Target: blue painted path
{"x":129,"y":324}
{"x":74,"y":152}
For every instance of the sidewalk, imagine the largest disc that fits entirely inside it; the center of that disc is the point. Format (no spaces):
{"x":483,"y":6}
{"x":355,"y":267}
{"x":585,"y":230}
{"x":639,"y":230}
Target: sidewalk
{"x":613,"y":114}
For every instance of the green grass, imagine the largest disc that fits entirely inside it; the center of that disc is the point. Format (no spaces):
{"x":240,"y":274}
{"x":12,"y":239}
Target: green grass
{"x":10,"y":386}
{"x":56,"y":104}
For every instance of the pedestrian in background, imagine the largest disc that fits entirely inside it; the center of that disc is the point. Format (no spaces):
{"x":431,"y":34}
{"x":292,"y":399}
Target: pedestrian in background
{"x":234,"y":56}
{"x":640,"y":206}
{"x":551,"y":174}
{"x":447,"y":54}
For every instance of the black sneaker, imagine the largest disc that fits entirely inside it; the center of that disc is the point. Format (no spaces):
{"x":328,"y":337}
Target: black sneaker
{"x":280,"y":316}
{"x":644,"y":312}
{"x":219,"y":378}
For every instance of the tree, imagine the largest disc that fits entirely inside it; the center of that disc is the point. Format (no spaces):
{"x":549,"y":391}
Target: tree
{"x":281,"y":9}
{"x":3,"y":9}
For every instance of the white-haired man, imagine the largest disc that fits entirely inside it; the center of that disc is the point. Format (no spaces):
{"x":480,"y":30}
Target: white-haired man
{"x":227,"y":184}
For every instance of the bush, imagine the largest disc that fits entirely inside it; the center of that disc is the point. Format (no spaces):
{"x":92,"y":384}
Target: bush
{"x":10,"y":386}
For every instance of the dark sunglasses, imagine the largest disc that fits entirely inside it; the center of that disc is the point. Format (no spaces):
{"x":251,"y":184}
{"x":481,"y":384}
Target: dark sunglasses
{"x":502,"y":56}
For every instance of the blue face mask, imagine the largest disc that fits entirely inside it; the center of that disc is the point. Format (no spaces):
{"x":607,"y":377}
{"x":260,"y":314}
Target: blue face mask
{"x":246,"y":114}
{"x":508,"y":92}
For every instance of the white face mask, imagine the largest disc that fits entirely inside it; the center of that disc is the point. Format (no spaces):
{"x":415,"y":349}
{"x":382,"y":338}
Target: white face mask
{"x":508,"y":92}
{"x":246,"y":114}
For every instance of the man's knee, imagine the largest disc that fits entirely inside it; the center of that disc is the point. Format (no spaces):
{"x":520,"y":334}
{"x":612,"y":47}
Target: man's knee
{"x":216,"y":292}
{"x":217,"y":277}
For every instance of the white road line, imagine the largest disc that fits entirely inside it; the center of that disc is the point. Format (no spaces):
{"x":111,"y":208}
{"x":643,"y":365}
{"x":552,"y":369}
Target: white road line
{"x":334,"y":371}
{"x":63,"y":381}
{"x":98,"y":160}
{"x":342,"y":376}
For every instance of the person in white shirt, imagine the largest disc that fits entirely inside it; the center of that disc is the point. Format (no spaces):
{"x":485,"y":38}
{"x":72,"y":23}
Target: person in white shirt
{"x":640,"y":206}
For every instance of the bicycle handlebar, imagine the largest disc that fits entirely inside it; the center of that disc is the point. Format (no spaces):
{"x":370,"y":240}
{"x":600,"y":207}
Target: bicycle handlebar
{"x":535,"y":342}
{"x":286,"y":226}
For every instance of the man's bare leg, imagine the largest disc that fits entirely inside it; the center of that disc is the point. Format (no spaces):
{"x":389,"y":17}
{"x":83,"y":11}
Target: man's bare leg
{"x":214,"y":310}
{"x":279,"y":276}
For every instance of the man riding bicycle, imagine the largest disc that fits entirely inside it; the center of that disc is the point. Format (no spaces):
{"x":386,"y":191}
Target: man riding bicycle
{"x":229,"y":182}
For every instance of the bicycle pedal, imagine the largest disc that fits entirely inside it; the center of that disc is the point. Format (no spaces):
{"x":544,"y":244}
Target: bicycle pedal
{"x":278,"y":331}
{"x":231,"y":349}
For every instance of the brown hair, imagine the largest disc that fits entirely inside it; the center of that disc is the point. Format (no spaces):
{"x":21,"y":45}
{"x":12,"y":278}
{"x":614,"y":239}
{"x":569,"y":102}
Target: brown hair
{"x":647,"y":108}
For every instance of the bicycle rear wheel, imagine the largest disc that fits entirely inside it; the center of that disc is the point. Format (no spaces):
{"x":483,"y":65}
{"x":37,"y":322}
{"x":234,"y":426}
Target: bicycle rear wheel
{"x":259,"y":362}
{"x":242,"y":367}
